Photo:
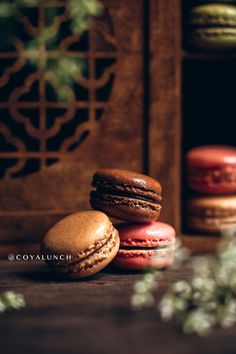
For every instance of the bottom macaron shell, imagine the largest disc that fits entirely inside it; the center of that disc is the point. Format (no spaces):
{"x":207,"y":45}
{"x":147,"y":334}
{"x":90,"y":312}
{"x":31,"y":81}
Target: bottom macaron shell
{"x":211,"y":214}
{"x":210,"y":225}
{"x":213,"y":38}
{"x":127,"y":209}
{"x":144,"y":259}
{"x":221,"y":188}
{"x":92,"y":264}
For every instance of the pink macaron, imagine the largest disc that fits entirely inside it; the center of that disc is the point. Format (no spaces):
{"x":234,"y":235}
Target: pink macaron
{"x":212,"y":169}
{"x":145,"y":246}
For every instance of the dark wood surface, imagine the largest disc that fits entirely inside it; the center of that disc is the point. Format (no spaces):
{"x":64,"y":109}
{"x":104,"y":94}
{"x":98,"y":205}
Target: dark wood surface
{"x":91,"y":317}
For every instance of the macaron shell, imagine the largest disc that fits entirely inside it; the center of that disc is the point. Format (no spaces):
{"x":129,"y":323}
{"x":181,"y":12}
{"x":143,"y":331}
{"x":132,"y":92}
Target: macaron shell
{"x":155,"y":234}
{"x":127,"y":178}
{"x":212,"y":155}
{"x":127,"y":209}
{"x":209,"y":204}
{"x":213,"y":38}
{"x":215,"y":182}
{"x":213,"y":15}
{"x":65,"y":237}
{"x":144,"y":259}
{"x":210,"y":225}
{"x":212,"y":169}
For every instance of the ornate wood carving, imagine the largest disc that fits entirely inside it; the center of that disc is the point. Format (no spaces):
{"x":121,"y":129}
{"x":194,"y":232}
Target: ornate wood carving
{"x":37,"y":130}
{"x":50,"y":150}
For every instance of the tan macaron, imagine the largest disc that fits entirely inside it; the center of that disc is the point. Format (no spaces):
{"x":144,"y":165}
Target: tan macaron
{"x":81,"y":244}
{"x":211,"y":214}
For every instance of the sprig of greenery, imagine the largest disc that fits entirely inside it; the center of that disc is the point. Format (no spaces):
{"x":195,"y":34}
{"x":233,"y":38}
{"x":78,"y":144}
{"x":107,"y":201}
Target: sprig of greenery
{"x":207,"y":299}
{"x":10,"y":300}
{"x":80,"y":13}
{"x":66,"y":70}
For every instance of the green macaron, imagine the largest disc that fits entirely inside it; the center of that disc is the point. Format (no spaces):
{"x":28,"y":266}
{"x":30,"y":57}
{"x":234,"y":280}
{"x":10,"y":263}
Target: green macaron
{"x":213,"y":27}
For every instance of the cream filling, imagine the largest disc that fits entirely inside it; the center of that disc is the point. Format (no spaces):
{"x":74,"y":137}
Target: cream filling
{"x":120,"y":201}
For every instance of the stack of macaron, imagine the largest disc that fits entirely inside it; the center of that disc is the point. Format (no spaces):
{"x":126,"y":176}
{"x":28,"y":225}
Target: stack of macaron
{"x":85,"y":242}
{"x":135,"y":199}
{"x":211,"y":175}
{"x":212,"y":26}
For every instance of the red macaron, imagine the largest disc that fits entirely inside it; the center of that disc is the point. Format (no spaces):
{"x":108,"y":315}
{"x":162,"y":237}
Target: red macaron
{"x":145,"y":246}
{"x":212,"y":169}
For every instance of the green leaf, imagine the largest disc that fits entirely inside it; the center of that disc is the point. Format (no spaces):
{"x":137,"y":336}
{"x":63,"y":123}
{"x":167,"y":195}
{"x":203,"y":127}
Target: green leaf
{"x":7,"y":9}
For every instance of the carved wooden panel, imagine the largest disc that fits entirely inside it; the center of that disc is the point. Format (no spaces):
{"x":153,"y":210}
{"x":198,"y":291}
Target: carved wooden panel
{"x":37,"y":130}
{"x":165,"y":104}
{"x":49,"y":149}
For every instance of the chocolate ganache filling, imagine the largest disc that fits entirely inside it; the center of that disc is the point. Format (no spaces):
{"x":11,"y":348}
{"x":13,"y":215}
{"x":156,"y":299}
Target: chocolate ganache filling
{"x":119,"y":193}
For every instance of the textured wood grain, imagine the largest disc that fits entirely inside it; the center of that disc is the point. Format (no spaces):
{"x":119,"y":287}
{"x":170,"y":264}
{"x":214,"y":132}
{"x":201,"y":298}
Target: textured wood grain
{"x":93,"y":317}
{"x":165,"y":91}
{"x":199,"y":244}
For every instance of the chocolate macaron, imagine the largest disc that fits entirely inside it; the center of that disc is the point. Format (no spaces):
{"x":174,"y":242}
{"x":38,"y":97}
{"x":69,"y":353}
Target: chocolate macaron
{"x":212,"y":169}
{"x":146,"y":246}
{"x":211,"y":215}
{"x":81,"y":244}
{"x":126,"y":195}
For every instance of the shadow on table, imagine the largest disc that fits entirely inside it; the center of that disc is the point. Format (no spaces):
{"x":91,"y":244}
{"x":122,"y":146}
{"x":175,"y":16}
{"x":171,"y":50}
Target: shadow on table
{"x":40,"y":273}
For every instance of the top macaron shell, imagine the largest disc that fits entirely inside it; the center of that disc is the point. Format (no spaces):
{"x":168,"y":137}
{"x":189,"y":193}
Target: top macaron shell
{"x":212,"y":169}
{"x":156,"y":234}
{"x":65,"y":236}
{"x":213,"y":15}
{"x":126,"y":195}
{"x":119,"y":179}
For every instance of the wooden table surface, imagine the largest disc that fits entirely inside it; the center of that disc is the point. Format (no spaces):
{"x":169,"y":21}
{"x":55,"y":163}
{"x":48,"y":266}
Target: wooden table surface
{"x":91,"y":317}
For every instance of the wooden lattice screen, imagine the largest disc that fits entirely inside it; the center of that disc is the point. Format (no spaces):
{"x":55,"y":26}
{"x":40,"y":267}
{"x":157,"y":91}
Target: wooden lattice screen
{"x":37,"y":130}
{"x":49,"y":149}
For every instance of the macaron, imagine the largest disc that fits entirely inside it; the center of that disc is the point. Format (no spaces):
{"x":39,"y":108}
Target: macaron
{"x":87,"y":240}
{"x":145,"y":246}
{"x":213,"y":27}
{"x":211,"y":215}
{"x":126,"y":195}
{"x":212,"y":169}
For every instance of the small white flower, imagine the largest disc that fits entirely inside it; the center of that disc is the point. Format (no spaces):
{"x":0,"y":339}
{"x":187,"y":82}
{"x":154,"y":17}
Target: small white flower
{"x":140,"y":287}
{"x":13,"y":300}
{"x":182,"y":288}
{"x":180,"y":304}
{"x":2,"y":306}
{"x":166,"y":307}
{"x":198,"y":321}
